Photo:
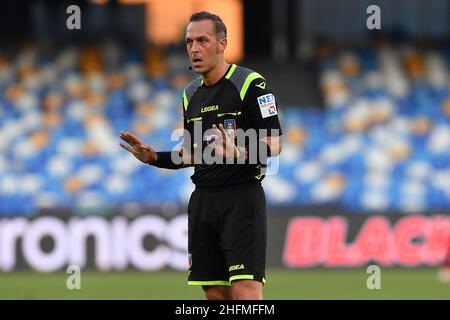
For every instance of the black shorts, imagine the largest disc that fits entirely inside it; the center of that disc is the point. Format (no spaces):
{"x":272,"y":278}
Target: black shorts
{"x":227,"y":234}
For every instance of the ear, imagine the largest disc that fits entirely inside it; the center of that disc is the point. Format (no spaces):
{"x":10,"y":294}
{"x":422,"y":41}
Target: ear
{"x":223,"y":44}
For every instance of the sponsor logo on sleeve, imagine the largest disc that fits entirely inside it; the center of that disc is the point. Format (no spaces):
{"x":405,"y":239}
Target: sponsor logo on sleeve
{"x":267,"y":105}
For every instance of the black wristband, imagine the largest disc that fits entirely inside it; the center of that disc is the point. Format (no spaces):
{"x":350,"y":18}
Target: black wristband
{"x":164,"y":160}
{"x":257,"y":153}
{"x":264,"y":152}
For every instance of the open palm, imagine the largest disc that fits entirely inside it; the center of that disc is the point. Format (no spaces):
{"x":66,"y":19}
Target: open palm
{"x":137,"y":147}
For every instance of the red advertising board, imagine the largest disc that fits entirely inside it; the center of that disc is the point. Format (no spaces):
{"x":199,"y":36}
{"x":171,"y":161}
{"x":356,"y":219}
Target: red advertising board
{"x":409,"y":241}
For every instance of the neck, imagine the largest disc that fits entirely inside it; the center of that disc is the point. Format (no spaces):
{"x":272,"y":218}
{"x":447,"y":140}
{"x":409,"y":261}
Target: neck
{"x":215,"y":74}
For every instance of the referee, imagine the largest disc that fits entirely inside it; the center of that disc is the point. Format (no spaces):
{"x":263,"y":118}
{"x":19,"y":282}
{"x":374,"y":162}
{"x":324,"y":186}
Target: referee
{"x":227,"y":210}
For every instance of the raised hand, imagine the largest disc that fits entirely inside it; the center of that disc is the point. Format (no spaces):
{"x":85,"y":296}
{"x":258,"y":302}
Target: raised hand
{"x":137,"y":147}
{"x":224,"y":144}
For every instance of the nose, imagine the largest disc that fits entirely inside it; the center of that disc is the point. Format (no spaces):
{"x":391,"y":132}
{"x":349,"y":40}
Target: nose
{"x":194,"y":46}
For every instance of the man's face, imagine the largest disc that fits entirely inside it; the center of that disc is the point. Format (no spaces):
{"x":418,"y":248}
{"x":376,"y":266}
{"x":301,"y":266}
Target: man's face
{"x":203,"y":47}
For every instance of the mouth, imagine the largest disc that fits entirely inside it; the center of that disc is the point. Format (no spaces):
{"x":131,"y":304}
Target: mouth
{"x":196,"y":61}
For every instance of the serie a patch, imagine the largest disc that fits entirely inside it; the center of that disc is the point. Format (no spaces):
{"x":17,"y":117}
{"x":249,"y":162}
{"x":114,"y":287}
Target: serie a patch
{"x":267,"y":105}
{"x":229,"y":125}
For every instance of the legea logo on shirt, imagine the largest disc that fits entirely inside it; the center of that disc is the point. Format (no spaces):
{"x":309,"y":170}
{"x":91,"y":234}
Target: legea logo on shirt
{"x":267,"y":105}
{"x":209,"y":108}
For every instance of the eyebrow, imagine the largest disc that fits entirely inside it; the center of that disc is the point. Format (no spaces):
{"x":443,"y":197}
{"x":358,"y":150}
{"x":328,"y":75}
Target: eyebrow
{"x":198,"y":38}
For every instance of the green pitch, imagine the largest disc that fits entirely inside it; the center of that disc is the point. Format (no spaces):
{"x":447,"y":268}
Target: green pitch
{"x":281,"y":284}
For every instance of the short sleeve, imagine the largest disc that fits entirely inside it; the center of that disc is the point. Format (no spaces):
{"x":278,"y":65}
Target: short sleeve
{"x":262,"y":106}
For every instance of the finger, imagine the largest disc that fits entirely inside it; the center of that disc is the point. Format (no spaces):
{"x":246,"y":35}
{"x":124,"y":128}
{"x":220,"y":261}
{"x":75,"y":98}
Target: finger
{"x":134,"y":138}
{"x":126,"y":138}
{"x":224,"y":134}
{"x":216,"y":130}
{"x":130,"y":138}
{"x":212,"y":137}
{"x":128,"y":148}
{"x":231,"y":135}
{"x":222,"y":130}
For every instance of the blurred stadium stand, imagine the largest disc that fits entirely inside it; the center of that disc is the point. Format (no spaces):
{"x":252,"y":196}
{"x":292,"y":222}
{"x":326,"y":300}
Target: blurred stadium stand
{"x":383,"y":141}
{"x":60,"y":116}
{"x":366,"y":128}
{"x":381,"y":144}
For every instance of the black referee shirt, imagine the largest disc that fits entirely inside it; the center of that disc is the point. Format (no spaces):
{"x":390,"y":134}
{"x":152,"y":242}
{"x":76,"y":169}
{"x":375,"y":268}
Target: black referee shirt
{"x":240,"y":99}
